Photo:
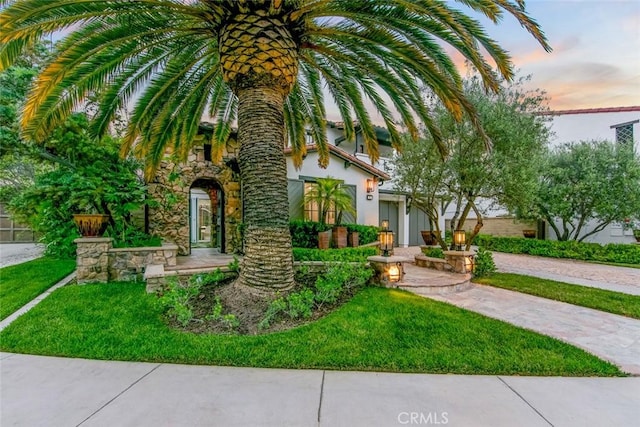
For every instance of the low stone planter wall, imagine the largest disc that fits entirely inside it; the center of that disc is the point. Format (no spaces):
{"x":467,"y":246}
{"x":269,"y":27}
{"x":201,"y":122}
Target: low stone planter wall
{"x":129,"y":263}
{"x":98,"y":261}
{"x":433,"y":263}
{"x":155,"y":275}
{"x":455,"y":261}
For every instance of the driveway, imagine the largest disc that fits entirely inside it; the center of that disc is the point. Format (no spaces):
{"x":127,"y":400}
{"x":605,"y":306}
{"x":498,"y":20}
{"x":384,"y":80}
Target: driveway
{"x":16,"y":253}
{"x":613,"y":278}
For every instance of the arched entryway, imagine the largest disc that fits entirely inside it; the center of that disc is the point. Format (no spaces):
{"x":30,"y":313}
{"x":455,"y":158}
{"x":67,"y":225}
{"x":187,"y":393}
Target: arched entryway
{"x":206,"y":215}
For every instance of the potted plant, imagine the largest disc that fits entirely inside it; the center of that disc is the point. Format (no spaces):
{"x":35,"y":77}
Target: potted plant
{"x":529,"y":234}
{"x":90,"y":221}
{"x":91,"y":224}
{"x":428,"y":237}
{"x":636,"y":234}
{"x":330,"y":195}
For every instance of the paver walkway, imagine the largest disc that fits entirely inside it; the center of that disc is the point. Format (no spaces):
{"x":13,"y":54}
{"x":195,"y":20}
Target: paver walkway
{"x":609,"y":336}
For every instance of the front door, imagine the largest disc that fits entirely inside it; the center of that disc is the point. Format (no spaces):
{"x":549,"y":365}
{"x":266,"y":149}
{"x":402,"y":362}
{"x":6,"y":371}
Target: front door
{"x":205,"y":217}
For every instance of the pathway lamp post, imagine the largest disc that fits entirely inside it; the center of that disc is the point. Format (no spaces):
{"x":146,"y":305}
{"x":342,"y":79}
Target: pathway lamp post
{"x":459,"y":239}
{"x":385,"y":237}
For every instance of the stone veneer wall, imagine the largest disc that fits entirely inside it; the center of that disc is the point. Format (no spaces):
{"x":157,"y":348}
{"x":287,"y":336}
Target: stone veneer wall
{"x":507,"y":227}
{"x":98,"y":261}
{"x":170,"y":188}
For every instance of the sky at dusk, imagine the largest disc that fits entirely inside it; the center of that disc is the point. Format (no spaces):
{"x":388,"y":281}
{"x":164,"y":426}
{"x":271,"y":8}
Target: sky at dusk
{"x":596,"y":51}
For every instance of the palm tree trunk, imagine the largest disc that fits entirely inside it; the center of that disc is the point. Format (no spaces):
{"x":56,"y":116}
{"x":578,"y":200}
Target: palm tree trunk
{"x":268,"y":263}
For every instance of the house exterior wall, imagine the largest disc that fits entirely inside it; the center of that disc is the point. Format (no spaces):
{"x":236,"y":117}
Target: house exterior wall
{"x":169,"y":218}
{"x":367,"y":210}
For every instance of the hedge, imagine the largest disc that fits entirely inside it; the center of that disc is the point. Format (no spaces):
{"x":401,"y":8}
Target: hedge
{"x":304,"y":234}
{"x":612,"y":252}
{"x":342,"y":255}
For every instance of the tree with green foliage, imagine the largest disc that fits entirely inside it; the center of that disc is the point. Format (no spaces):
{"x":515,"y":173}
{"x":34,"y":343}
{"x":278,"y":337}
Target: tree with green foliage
{"x":420,"y":172}
{"x":88,"y":177}
{"x":473,"y":174}
{"x":264,"y":63}
{"x":586,"y":186}
{"x":19,"y":162}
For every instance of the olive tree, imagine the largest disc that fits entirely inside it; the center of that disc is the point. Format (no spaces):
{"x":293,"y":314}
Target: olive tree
{"x":476,"y":175}
{"x":587,"y":185}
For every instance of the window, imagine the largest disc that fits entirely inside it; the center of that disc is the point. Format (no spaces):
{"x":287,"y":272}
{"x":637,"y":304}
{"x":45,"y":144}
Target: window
{"x":624,"y":132}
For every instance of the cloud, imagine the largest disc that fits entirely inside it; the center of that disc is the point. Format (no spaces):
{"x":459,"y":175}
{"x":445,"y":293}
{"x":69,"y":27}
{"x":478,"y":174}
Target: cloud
{"x":589,"y":85}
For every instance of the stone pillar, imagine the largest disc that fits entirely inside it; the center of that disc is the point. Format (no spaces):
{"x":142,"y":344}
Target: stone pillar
{"x":384,"y":266}
{"x":460,"y":261}
{"x":92,"y":259}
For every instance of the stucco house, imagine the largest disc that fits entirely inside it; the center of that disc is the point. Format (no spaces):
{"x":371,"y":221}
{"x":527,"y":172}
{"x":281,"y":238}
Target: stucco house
{"x":200,"y":204}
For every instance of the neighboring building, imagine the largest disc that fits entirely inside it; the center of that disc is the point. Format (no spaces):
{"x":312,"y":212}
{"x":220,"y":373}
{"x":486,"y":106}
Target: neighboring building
{"x":619,"y":124}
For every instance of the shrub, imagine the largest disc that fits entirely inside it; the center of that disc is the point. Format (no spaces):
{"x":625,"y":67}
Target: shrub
{"x":329,"y":287}
{"x":213,"y":278}
{"x":366,"y":233}
{"x":484,"y":264}
{"x":176,"y":301}
{"x":229,"y":321}
{"x":433,"y":252}
{"x":613,"y":252}
{"x":304,"y":234}
{"x":338,"y":279}
{"x":276,"y":307}
{"x":300,"y":304}
{"x":338,"y":255}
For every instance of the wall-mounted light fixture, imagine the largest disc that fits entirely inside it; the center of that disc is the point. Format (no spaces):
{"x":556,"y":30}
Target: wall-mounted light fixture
{"x":370,"y":185}
{"x":459,"y":239}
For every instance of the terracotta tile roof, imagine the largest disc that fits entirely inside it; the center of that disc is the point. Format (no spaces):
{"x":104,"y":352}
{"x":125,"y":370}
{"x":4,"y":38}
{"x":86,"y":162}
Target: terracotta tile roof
{"x":593,"y":110}
{"x":349,"y":158}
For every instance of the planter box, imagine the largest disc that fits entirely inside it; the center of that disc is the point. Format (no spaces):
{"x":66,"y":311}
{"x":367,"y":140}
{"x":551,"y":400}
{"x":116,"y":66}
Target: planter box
{"x":339,"y":235}
{"x":323,"y":239}
{"x":354,"y":239}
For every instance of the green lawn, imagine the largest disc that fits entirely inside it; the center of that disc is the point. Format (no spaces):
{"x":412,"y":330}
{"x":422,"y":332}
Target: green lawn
{"x":21,"y":283}
{"x":379,"y":330}
{"x":599,"y":299}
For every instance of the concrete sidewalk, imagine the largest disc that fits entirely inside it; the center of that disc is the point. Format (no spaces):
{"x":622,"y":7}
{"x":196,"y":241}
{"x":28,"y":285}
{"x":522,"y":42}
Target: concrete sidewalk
{"x":75,"y":392}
